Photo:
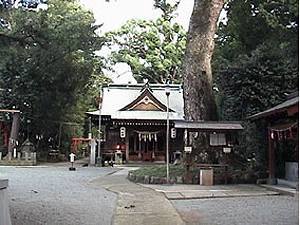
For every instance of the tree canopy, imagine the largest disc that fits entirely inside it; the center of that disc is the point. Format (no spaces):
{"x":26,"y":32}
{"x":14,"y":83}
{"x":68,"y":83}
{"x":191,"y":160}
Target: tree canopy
{"x":47,"y":66}
{"x":256,"y":61}
{"x":256,"y":65}
{"x":153,"y":49}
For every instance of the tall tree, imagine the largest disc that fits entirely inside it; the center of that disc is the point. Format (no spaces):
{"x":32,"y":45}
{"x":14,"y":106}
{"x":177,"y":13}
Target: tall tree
{"x":47,"y":60}
{"x":152,"y":48}
{"x":257,"y":48}
{"x":197,"y":76}
{"x":256,"y":65}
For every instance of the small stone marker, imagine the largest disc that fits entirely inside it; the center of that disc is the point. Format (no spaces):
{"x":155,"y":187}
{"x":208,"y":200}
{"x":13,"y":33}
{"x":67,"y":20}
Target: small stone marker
{"x":15,"y":153}
{"x":19,"y":155}
{"x":9,"y":156}
{"x":34,"y":158}
{"x":93,"y":152}
{"x":26,"y":156}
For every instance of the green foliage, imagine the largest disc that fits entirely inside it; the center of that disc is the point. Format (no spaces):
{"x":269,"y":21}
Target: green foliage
{"x":256,"y":82}
{"x":47,"y":63}
{"x":167,"y":8}
{"x":256,"y":64}
{"x":153,"y":49}
{"x":161,"y":171}
{"x":252,"y":23}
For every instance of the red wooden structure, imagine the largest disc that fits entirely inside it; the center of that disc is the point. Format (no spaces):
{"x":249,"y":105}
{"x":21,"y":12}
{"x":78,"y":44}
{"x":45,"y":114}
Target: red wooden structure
{"x":283,"y":124}
{"x":77,"y":141}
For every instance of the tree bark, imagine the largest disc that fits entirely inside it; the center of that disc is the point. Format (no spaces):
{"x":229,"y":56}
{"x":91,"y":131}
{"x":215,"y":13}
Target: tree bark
{"x":14,"y":133}
{"x":197,"y":76}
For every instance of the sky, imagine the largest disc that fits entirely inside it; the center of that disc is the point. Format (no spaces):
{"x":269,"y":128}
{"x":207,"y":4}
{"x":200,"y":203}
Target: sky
{"x":115,"y":13}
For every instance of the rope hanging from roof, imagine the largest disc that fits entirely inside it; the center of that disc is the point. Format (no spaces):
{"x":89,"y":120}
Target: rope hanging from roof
{"x":147,"y":135}
{"x":284,"y":133}
{"x":285,"y":129}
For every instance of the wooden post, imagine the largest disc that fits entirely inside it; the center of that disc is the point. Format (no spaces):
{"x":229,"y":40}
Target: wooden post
{"x":134,"y":142}
{"x":272,"y":179}
{"x":14,"y":131}
{"x":127,"y":146}
{"x":140,"y":153}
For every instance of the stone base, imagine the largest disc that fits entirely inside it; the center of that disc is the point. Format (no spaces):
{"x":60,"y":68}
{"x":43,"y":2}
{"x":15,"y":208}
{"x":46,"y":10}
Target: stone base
{"x":4,"y":210}
{"x":17,"y":163}
{"x":272,"y":181}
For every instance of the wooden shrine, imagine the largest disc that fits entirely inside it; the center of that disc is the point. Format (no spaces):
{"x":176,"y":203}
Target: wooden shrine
{"x":282,"y":128}
{"x":134,"y":122}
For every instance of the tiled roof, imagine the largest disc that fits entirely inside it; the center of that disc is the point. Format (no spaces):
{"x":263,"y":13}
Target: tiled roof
{"x":116,"y":97}
{"x":276,"y":109}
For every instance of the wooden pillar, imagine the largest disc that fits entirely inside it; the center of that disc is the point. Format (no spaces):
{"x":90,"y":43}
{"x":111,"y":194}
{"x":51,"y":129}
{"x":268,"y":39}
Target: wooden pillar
{"x":271,"y":154}
{"x":140,"y":147}
{"x":187,"y":161}
{"x":127,"y":146}
{"x":14,"y":131}
{"x":186,"y":137}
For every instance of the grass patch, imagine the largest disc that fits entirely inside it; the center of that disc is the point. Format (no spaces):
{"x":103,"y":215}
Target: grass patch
{"x":161,"y":171}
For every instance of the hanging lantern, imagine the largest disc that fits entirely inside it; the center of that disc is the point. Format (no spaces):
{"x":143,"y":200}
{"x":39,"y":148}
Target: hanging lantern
{"x":173,"y":132}
{"x":272,"y":135}
{"x":122,"y":132}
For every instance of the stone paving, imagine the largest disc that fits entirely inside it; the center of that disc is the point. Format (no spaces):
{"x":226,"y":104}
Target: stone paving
{"x":262,"y":210}
{"x":179,"y":192}
{"x":56,"y":196}
{"x":138,"y":205}
{"x":48,"y":195}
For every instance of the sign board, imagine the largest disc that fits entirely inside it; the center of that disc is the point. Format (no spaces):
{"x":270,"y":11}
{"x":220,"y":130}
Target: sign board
{"x":188,"y":149}
{"x":226,"y":150}
{"x":72,"y":157}
{"x":122,"y":132}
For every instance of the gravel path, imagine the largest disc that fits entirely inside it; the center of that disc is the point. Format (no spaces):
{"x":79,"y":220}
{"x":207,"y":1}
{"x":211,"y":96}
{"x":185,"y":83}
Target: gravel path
{"x":265,"y":210}
{"x":57,"y":196}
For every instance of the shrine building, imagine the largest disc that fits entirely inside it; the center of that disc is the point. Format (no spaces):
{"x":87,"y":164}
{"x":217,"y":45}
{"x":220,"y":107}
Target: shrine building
{"x":134,"y":123}
{"x":134,"y":117}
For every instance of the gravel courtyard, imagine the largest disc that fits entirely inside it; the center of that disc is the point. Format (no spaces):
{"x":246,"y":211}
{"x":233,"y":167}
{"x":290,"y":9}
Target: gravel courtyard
{"x":264,"y":210}
{"x":55,"y":195}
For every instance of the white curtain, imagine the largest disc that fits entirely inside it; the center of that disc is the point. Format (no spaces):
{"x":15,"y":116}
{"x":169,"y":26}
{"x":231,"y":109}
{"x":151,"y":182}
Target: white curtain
{"x":217,"y":139}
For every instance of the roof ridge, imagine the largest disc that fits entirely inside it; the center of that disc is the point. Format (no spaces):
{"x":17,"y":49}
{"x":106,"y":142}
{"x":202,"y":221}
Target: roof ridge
{"x":141,"y":85}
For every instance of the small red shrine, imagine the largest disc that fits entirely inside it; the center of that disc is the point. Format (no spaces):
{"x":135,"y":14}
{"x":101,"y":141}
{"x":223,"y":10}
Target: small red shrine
{"x":283,"y":128}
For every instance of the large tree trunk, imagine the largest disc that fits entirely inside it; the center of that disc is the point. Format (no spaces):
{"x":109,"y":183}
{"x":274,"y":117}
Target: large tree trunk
{"x":14,"y":133}
{"x":197,"y":76}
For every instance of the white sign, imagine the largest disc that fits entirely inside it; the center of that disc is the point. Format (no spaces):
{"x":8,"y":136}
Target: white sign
{"x":188,"y":149}
{"x":122,"y":132}
{"x":72,"y":157}
{"x":226,"y":150}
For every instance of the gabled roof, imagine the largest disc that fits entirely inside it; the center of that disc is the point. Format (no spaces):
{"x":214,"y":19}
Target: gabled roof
{"x":118,"y":102}
{"x":292,"y":101}
{"x":146,"y":102}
